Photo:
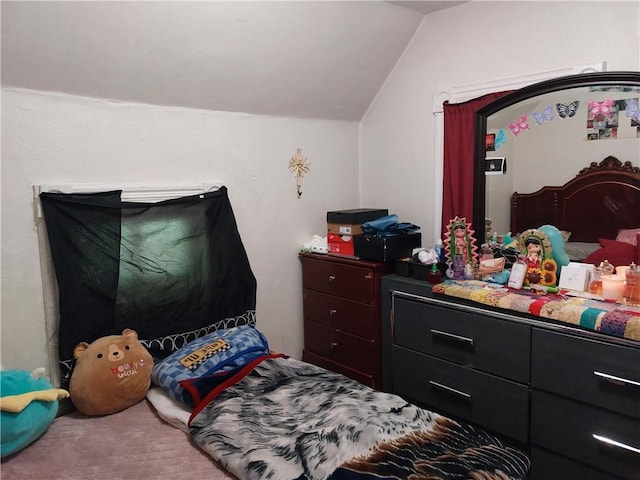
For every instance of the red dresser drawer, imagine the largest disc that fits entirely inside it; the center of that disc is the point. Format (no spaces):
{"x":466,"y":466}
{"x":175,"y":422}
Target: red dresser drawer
{"x":351,"y":351}
{"x":347,"y":281}
{"x":339,"y":313}
{"x":366,"y":379}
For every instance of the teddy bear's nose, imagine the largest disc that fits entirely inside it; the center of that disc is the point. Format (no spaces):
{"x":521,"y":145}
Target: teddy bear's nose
{"x":115,"y":353}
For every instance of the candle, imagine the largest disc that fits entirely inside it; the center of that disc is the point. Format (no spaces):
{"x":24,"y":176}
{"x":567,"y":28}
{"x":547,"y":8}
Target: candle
{"x":622,"y":271}
{"x":612,"y":287}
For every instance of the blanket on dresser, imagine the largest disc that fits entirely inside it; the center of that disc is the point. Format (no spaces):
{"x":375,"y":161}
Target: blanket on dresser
{"x":605,"y":317}
{"x":282,"y":419}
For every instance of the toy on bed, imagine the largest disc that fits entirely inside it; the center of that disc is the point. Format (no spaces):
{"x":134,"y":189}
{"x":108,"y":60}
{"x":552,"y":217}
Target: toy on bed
{"x":28,"y":405}
{"x":111,"y":374}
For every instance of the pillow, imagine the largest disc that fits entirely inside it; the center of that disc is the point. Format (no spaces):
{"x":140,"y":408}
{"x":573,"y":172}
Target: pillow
{"x":174,"y":413}
{"x":219,"y":351}
{"x":578,"y":251}
{"x":618,"y":253}
{"x":628,"y":235}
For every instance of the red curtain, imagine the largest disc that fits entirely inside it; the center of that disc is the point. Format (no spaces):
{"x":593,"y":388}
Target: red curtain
{"x":459,"y":133}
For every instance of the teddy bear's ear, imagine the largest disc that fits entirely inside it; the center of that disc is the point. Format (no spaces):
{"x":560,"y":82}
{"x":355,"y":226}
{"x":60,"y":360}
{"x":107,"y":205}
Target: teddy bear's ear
{"x":130,"y":333}
{"x":80,"y":349}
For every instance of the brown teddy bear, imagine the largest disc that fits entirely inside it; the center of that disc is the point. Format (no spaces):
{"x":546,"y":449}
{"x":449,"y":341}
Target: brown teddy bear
{"x":111,"y":374}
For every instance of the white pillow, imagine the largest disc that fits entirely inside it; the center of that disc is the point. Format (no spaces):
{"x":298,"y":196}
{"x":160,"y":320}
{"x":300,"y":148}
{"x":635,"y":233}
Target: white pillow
{"x":171,"y":411}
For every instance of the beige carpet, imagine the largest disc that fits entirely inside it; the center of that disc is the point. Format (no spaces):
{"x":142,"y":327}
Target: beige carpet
{"x":134,"y":444}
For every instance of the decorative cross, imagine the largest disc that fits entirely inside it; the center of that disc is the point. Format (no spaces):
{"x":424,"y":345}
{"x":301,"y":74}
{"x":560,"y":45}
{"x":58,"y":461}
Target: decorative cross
{"x":299,"y":165}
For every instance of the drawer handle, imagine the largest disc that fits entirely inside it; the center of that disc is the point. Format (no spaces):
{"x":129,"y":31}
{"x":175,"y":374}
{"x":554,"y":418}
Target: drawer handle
{"x":333,"y":345}
{"x":332,"y":312}
{"x":614,"y":379}
{"x":615,"y":443}
{"x":331,"y":278}
{"x":464,"y":395}
{"x":452,"y":336}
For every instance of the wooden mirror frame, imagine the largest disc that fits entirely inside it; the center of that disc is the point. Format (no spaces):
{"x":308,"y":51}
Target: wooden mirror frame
{"x":530,"y":91}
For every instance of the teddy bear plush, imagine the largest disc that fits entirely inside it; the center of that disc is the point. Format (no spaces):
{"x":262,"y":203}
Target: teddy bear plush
{"x":110,"y":374}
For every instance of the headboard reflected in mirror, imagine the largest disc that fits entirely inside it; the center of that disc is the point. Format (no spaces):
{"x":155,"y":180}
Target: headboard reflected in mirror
{"x":555,"y":144}
{"x":600,"y":201}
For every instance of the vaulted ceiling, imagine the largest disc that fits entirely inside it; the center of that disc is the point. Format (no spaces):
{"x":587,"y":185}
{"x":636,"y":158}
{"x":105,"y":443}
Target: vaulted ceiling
{"x":314,"y":59}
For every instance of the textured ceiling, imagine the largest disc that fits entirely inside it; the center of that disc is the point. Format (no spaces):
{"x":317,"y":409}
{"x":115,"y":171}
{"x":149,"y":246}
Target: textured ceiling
{"x":315,"y":59}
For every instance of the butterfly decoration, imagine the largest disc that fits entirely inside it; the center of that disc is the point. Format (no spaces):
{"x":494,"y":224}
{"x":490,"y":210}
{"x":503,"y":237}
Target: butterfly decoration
{"x":540,"y":118}
{"x":567,"y":110}
{"x":600,"y":108}
{"x":632,"y":111}
{"x":519,"y":125}
{"x":500,"y":140}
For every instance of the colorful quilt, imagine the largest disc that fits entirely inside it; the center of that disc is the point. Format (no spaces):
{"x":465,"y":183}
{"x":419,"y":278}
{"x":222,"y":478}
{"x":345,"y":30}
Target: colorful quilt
{"x":283,"y":419}
{"x":605,"y":317}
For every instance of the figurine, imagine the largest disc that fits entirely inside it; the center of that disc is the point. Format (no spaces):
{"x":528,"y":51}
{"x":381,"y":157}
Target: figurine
{"x":536,"y":249}
{"x":459,"y":240}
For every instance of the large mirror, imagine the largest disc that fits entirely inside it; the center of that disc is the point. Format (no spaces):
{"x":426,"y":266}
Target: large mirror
{"x":545,"y":133}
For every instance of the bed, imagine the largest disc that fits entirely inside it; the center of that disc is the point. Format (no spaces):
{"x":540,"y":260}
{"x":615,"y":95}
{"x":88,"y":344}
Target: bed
{"x":602,"y":200}
{"x":241,"y":412}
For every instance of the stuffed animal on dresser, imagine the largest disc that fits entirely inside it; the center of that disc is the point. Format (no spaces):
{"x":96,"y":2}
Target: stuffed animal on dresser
{"x":110,"y":374}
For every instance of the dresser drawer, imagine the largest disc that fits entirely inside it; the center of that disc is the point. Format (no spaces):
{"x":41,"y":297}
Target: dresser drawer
{"x":349,"y":281}
{"x":594,"y":372}
{"x":568,"y":428}
{"x":351,"y":351}
{"x":546,"y":465}
{"x":323,"y":362}
{"x":337,"y":312}
{"x":498,"y":404}
{"x":483,"y":343}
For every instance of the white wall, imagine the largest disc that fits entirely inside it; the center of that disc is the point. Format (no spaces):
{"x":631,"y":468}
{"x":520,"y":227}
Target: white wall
{"x":473,"y":43}
{"x":53,"y":139}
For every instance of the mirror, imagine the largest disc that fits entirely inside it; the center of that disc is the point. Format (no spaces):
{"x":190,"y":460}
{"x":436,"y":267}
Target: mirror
{"x":545,"y":133}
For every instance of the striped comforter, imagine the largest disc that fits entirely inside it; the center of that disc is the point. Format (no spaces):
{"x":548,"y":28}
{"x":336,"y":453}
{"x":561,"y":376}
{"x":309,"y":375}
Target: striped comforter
{"x":283,"y":419}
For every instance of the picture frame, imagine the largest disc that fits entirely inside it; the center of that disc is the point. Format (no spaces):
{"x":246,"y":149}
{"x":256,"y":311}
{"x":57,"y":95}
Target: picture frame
{"x":490,"y":142}
{"x":495,"y":166}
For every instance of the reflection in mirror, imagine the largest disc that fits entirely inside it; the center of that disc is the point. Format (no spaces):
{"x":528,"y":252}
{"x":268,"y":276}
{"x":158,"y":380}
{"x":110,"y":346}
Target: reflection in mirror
{"x":547,"y":133}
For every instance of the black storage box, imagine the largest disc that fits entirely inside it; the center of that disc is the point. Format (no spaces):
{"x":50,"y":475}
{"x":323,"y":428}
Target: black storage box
{"x":356,"y":216}
{"x":420,"y":271}
{"x":403,"y":267}
{"x":386,"y":249}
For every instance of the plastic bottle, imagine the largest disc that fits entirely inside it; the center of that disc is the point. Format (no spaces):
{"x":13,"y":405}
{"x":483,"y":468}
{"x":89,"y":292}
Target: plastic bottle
{"x":439,"y":248}
{"x":518,"y":273}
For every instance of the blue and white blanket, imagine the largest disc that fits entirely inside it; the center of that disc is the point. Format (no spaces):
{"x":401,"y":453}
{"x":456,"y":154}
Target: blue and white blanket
{"x":279,"y":418}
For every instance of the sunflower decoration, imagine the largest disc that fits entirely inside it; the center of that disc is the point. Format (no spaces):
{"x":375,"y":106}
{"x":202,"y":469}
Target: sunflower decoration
{"x":299,"y":165}
{"x":541,"y":267}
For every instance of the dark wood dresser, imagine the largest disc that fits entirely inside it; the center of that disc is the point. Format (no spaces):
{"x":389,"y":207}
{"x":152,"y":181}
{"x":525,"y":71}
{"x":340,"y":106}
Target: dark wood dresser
{"x":568,"y":396}
{"x":341,"y":301}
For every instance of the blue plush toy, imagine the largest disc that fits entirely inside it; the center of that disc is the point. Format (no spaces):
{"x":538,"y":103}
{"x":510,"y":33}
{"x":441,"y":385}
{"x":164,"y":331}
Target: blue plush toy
{"x":28,"y":405}
{"x":557,"y":245}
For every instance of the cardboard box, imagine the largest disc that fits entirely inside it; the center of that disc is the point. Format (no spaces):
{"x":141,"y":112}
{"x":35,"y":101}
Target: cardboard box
{"x":386,"y":249}
{"x":356,"y":216}
{"x":340,"y":229}
{"x":340,"y":244}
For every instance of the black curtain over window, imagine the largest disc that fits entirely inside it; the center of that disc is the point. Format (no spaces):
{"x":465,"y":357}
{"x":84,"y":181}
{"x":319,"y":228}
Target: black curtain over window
{"x":173,"y":270}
